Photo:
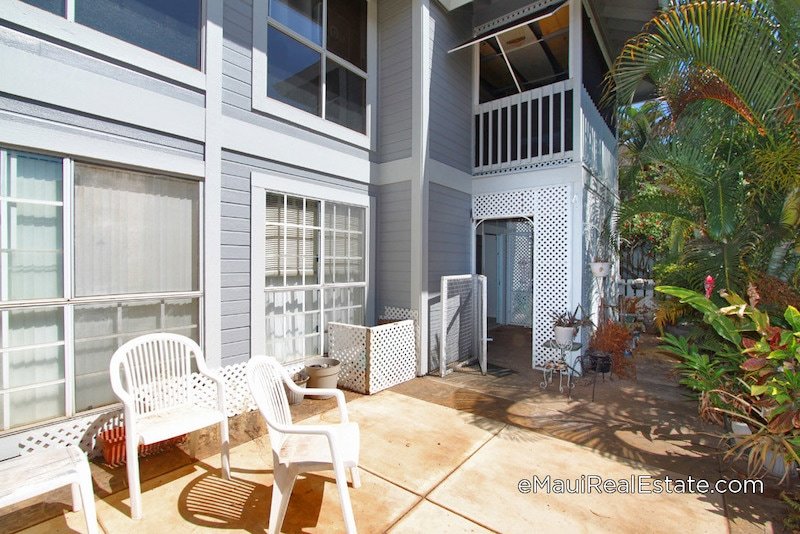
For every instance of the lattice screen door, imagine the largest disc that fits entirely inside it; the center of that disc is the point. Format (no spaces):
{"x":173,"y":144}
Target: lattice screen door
{"x":519,"y":262}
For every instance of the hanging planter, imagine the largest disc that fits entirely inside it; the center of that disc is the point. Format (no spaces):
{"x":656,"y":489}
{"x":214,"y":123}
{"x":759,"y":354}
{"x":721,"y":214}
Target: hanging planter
{"x":600,"y":269}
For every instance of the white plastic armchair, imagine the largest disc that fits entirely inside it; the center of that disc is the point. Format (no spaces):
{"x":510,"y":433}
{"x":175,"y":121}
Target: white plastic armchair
{"x":152,"y":376}
{"x":302,"y":448}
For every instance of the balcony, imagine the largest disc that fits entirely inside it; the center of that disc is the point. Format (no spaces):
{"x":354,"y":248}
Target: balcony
{"x":535,"y":129}
{"x":528,"y":130}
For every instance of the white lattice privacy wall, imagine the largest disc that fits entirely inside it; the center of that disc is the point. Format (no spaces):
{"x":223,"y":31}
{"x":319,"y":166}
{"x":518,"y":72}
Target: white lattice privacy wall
{"x":373,"y":358}
{"x":83,"y":431}
{"x":549,"y":209}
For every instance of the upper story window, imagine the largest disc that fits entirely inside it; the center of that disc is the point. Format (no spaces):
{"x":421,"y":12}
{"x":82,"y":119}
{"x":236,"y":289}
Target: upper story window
{"x":169,"y":28}
{"x":317,"y":58}
{"x":525,"y":55}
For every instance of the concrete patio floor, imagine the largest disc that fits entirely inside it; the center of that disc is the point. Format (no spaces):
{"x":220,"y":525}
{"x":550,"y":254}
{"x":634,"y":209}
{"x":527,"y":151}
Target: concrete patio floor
{"x":446,"y":455}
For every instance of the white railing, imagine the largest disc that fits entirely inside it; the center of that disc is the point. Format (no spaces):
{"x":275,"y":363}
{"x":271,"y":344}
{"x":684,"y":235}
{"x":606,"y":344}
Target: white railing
{"x":599,"y":143}
{"x":531,"y":129}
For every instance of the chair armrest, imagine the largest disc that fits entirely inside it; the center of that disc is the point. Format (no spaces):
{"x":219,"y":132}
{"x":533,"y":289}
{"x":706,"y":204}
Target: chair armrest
{"x":338,"y":393}
{"x":218,"y":380}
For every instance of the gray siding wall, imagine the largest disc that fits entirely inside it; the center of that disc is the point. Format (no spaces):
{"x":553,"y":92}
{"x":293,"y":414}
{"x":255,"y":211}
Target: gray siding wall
{"x":393,"y":242}
{"x":451,"y":89}
{"x":394,"y":80}
{"x":448,"y":233}
{"x":237,"y":53}
{"x":235,"y":240}
{"x":448,"y":252}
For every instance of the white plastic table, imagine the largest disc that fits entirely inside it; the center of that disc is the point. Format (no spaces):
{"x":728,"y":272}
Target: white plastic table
{"x":42,"y":471}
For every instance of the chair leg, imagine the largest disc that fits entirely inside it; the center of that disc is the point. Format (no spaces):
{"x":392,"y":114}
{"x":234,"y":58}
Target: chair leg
{"x":355,"y":476}
{"x":225,"y":448}
{"x":76,"y":497}
{"x":282,"y":485}
{"x":135,"y":491}
{"x":344,"y":497}
{"x":87,"y":497}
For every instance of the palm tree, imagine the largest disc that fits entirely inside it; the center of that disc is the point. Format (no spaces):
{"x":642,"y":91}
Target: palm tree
{"x":727,"y":166}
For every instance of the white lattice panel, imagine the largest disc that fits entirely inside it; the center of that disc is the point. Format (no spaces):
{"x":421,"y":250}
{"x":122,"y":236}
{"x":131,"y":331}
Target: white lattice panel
{"x":348,"y":344}
{"x":507,"y":204}
{"x":82,"y":431}
{"x":550,"y":267}
{"x":393,"y":355}
{"x":395,"y":313}
{"x":462,"y":322}
{"x":373,"y":358}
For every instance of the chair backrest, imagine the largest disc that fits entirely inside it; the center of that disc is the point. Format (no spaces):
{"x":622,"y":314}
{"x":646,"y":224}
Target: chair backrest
{"x":157,"y":371}
{"x":265,"y":377}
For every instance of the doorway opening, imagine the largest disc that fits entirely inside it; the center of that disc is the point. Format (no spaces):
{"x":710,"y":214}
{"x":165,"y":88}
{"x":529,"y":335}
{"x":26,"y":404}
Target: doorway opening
{"x":504,"y":254}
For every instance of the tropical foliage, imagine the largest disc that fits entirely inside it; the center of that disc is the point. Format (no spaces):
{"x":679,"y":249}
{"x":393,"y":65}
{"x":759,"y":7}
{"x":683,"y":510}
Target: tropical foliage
{"x":750,"y":371}
{"x":717,"y":155}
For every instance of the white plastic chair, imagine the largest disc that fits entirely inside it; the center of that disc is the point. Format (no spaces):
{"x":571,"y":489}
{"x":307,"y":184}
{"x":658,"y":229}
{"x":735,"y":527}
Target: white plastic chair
{"x":302,"y":448}
{"x":158,"y":397}
{"x":45,"y":470}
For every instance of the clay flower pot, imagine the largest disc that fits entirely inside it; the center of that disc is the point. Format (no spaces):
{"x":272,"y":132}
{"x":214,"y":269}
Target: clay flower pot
{"x":112,"y":443}
{"x":322,"y":373}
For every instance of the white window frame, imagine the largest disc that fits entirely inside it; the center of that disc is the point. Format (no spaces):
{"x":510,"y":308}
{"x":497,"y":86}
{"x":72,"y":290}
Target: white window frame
{"x":261,"y":184}
{"x":261,"y":102}
{"x":67,"y":30}
{"x":69,"y":301}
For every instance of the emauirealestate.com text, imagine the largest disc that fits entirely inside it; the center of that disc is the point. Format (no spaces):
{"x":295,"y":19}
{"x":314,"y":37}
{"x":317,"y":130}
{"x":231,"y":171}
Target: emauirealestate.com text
{"x":636,"y":484}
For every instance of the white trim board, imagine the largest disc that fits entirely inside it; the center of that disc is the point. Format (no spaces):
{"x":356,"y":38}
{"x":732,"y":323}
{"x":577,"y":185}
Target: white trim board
{"x":87,"y":38}
{"x":34,"y":77}
{"x":443,"y":174}
{"x":392,"y":172}
{"x":242,"y":136}
{"x":404,"y":170}
{"x":293,"y":186}
{"x":212,"y":191}
{"x":529,"y":179}
{"x":35,"y":134}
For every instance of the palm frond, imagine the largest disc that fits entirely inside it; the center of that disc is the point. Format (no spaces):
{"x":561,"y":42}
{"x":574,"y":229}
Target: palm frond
{"x":724,"y":50}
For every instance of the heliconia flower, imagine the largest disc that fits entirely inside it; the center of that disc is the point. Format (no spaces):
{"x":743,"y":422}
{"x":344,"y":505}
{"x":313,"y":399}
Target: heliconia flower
{"x":752,"y":294}
{"x":709,"y":285}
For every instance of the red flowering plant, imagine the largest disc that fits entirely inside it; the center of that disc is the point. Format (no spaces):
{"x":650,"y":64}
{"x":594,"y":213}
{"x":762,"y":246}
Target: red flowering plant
{"x":752,"y":373}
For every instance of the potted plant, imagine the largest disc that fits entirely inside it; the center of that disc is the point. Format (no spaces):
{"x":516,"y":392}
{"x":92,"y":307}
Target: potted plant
{"x":566,"y":325}
{"x":610,"y":344}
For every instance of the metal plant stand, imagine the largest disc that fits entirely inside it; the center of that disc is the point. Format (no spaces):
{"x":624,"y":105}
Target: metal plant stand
{"x":561,"y":365}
